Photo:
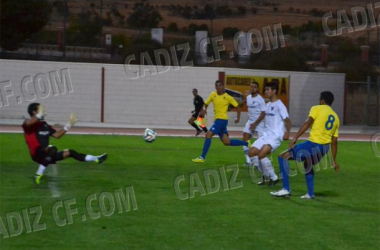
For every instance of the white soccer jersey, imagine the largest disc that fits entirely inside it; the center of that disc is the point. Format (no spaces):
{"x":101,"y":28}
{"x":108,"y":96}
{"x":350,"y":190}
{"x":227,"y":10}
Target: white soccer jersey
{"x":255,"y":105}
{"x":275,"y":114}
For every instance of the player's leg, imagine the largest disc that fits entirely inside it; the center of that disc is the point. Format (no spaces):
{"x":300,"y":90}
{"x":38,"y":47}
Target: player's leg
{"x":40,"y":172}
{"x":296,"y":153}
{"x":283,"y":162}
{"x":267,"y":164}
{"x":299,"y":152}
{"x":206,"y":144}
{"x":255,"y":160}
{"x":44,"y":157}
{"x":246,"y":137}
{"x":316,"y":153}
{"x":191,"y":122}
{"x":309,"y":177}
{"x":247,"y":134}
{"x":223,"y":135}
{"x":70,"y":153}
{"x":253,"y":153}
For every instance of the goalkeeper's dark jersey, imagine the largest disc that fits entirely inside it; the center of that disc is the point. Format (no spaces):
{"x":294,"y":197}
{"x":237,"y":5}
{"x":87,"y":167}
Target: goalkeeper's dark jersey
{"x":37,"y":135}
{"x":198,"y":103}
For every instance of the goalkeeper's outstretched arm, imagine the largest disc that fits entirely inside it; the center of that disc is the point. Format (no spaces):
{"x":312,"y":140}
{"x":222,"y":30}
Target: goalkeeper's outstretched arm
{"x":72,"y":120}
{"x":59,"y":133}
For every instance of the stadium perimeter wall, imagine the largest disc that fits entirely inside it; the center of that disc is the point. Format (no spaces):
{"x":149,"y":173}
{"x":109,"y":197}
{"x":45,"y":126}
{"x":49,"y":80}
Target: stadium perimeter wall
{"x":155,"y":99}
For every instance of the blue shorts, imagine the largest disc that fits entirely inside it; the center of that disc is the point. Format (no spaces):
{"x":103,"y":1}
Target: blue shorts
{"x":219,"y":127}
{"x":309,"y":151}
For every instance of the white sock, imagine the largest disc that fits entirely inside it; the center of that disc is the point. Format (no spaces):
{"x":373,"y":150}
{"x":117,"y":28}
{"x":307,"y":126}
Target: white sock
{"x":247,"y":159}
{"x":261,"y":168}
{"x":255,"y":161}
{"x":268,"y":168}
{"x":257,"y":164}
{"x":41,"y":170}
{"x":91,"y":158}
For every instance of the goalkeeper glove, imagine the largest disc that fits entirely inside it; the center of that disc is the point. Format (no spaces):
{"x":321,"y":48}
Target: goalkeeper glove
{"x":72,"y":120}
{"x":40,"y":112}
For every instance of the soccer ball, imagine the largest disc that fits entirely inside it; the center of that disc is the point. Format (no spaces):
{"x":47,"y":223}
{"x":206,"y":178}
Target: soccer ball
{"x":149,"y":135}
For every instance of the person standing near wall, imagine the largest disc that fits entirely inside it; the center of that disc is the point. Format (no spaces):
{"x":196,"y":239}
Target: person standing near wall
{"x":198,"y":104}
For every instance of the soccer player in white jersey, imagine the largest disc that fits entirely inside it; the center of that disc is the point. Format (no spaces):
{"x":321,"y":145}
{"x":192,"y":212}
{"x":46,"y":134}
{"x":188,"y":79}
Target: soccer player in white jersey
{"x":255,"y":123}
{"x":277,"y":128}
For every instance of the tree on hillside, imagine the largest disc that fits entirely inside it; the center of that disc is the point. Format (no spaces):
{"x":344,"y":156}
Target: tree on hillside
{"x":21,"y":19}
{"x":60,"y":7}
{"x":241,"y":10}
{"x":85,"y":29}
{"x":173,"y":27}
{"x":144,"y":16}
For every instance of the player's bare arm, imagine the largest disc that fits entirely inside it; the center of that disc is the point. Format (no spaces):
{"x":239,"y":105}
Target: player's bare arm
{"x":203,"y":111}
{"x":302,"y":130}
{"x":287,"y":126}
{"x":238,"y":111}
{"x":259,"y":119}
{"x":59,"y":133}
{"x":334,"y":151}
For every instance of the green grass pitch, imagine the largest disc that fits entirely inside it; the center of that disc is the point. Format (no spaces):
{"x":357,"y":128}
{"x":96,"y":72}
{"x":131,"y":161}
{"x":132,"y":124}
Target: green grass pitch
{"x":345,"y":214}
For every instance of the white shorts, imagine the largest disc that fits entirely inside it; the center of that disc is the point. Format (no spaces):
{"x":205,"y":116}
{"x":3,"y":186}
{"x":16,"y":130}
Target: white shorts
{"x":251,"y":132}
{"x":265,"y":140}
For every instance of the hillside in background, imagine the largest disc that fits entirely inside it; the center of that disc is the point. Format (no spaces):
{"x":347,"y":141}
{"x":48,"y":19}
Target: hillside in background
{"x":252,"y":14}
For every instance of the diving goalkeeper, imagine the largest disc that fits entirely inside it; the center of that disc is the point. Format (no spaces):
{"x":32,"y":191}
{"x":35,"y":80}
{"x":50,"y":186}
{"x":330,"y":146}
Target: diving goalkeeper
{"x":37,"y":134}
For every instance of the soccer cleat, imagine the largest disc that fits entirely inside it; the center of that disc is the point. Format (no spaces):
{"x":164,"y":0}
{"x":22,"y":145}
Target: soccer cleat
{"x":198,"y":132}
{"x":308,"y":197}
{"x":281,"y":193}
{"x":262,"y":182}
{"x":101,"y":158}
{"x":37,"y":178}
{"x":272,"y":183}
{"x":199,"y":160}
{"x":249,"y":144}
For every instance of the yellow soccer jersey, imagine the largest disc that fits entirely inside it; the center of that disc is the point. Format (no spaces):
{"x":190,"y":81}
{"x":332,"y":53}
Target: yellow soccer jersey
{"x":221,"y":103}
{"x":325,"y":126}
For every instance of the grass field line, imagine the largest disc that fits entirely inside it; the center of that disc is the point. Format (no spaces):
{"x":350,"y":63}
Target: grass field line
{"x":174,"y":133}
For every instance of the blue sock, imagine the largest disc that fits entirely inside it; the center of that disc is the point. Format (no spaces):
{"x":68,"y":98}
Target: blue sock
{"x":206,"y":146}
{"x":284,"y":168}
{"x":238,"y":143}
{"x":310,"y":183}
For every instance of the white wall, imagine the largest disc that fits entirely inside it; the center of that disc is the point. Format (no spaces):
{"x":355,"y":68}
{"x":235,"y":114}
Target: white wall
{"x":84,"y":98}
{"x":159,"y":99}
{"x":163,"y":99}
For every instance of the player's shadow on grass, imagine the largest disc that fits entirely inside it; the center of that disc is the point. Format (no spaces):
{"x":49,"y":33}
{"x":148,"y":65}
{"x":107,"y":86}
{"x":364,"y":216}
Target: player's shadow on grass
{"x":320,"y":200}
{"x":327,"y":194}
{"x":350,"y":208}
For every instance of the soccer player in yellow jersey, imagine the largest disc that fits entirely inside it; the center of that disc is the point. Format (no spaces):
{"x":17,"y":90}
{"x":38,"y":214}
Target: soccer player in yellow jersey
{"x":324,"y":124}
{"x":221,"y":101}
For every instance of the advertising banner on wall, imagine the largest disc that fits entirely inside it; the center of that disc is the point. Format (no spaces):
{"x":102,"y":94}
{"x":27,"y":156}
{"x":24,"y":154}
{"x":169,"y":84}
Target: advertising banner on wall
{"x":239,"y":87}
